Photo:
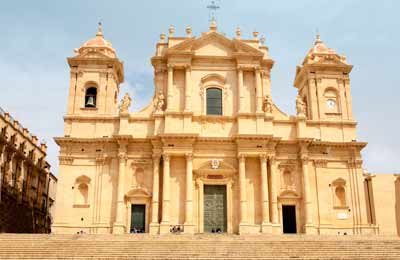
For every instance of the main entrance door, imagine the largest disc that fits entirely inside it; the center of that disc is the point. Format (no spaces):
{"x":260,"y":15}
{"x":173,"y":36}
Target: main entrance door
{"x":289,"y":219}
{"x":138,"y":218}
{"x":215,"y":211}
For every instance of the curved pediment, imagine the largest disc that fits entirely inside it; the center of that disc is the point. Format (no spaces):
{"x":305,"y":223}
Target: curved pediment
{"x":138,"y":192}
{"x":289,"y":194}
{"x":213,"y":77}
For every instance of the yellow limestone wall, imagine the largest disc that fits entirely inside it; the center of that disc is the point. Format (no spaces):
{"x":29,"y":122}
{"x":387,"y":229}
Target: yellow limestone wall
{"x":163,"y":155}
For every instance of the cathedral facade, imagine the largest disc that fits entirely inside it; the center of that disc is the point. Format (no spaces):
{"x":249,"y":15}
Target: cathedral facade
{"x":211,"y":152}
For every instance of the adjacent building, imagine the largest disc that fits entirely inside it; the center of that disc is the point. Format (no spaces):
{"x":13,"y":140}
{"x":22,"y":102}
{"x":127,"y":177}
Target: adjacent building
{"x":27,"y":191}
{"x":212,"y":152}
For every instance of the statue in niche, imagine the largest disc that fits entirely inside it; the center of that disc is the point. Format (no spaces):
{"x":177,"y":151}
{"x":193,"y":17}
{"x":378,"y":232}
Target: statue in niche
{"x":125,"y":104}
{"x":300,"y":106}
{"x":160,"y":101}
{"x":267,"y":104}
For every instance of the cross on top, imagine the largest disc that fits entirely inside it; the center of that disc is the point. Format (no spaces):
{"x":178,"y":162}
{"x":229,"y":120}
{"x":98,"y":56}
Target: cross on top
{"x":213,"y":7}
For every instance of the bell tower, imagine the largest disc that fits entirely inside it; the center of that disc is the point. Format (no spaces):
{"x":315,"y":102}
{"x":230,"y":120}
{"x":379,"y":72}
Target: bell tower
{"x":323,"y":84}
{"x":96,"y":74}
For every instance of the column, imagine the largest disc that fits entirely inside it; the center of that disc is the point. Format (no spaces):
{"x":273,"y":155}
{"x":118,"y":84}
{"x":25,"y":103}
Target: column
{"x":154,"y":206}
{"x":240,"y":89}
{"x":264,"y":190}
{"x":258,"y":90}
{"x":274,"y":187}
{"x":119,"y":226}
{"x":242,"y":186}
{"x":188,"y":88}
{"x":169,"y":86}
{"x":306,"y":191}
{"x":189,"y":228}
{"x":164,"y":228}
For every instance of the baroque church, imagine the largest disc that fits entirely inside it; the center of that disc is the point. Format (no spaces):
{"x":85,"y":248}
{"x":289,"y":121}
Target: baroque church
{"x":212,"y":152}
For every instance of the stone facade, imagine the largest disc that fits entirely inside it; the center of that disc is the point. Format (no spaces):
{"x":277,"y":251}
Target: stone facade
{"x":27,"y":191}
{"x":212,"y":121}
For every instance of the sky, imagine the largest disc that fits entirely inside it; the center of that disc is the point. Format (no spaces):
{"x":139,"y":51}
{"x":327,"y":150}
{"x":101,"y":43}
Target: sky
{"x":36,"y":37}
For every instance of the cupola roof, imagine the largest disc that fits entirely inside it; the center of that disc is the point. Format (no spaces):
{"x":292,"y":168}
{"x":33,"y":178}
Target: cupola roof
{"x":99,"y":44}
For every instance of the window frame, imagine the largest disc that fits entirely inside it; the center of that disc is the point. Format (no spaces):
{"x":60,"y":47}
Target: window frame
{"x":220,"y":98}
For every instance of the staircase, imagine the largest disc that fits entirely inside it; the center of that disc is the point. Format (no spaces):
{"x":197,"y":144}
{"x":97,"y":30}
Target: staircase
{"x":204,"y":246}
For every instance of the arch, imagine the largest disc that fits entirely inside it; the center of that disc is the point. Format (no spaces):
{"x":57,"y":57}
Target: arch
{"x":82,"y":194}
{"x":81,"y":187}
{"x":339,"y":193}
{"x":214,"y":101}
{"x":331,"y":100}
{"x":213,"y":77}
{"x":91,"y":96}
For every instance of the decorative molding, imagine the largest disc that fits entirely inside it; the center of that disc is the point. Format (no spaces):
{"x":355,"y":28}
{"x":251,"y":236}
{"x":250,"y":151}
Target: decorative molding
{"x":320,"y":163}
{"x":66,"y":160}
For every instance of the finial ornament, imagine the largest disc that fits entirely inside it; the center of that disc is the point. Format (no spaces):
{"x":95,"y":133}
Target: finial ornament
{"x":162,"y":38}
{"x":125,"y":104}
{"x":189,"y":31}
{"x":238,"y":33}
{"x":171,"y":31}
{"x":100,"y":29}
{"x":318,"y":37}
{"x":213,"y":26}
{"x":255,"y":35}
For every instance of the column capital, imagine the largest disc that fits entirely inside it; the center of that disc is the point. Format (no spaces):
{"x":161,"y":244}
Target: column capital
{"x":304,"y":158}
{"x":240,"y":68}
{"x":188,"y":67}
{"x":272,"y":158}
{"x":170,"y":66}
{"x":122,"y":156}
{"x":156,"y":156}
{"x":166,"y":157}
{"x":241,"y":157}
{"x":189,"y":156}
{"x":263,"y":157}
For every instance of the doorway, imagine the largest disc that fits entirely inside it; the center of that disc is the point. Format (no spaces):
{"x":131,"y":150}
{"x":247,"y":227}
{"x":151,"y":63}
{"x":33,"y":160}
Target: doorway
{"x":215,"y":210}
{"x":138,"y":218}
{"x":289,"y":219}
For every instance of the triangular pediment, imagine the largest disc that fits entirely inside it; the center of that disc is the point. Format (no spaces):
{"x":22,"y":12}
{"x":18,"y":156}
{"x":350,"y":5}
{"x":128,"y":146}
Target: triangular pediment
{"x":214,"y":44}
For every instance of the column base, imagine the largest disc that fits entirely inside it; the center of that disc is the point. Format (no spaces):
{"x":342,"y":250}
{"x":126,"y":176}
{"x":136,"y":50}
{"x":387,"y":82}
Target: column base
{"x":310,"y":229}
{"x":118,"y":228}
{"x":266,"y":228}
{"x":188,"y":228}
{"x":165,"y":228}
{"x":276,"y":229}
{"x":245,"y":228}
{"x":154,"y":228}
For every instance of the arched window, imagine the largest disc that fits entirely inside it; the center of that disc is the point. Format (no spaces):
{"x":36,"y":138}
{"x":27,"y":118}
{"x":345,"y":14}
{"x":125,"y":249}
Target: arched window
{"x":82,"y":196}
{"x":214,"y":101}
{"x":90,"y":97}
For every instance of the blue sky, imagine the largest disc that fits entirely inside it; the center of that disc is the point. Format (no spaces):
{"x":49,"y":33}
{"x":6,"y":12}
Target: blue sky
{"x":37,"y":36}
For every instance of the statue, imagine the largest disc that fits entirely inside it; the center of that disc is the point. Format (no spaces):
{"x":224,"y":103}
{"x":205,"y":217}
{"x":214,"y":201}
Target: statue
{"x":125,"y":104}
{"x":160,"y":101}
{"x":267,"y":104}
{"x":300,"y":106}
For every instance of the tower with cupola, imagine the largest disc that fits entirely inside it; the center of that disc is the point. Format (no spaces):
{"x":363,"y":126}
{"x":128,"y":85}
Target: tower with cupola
{"x":323,"y":84}
{"x":96,"y":74}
